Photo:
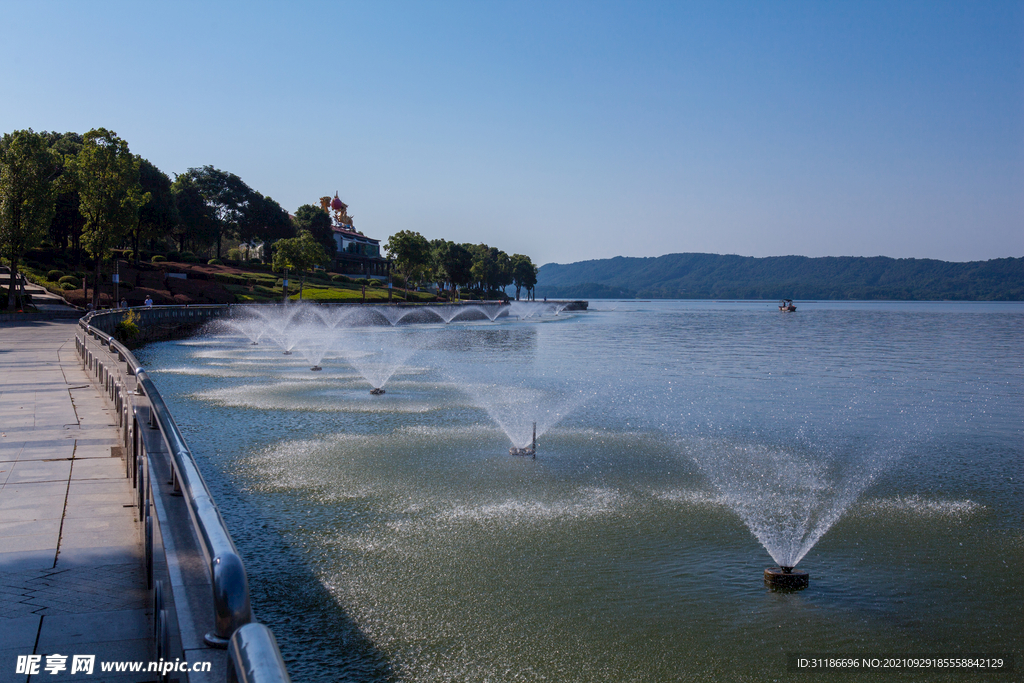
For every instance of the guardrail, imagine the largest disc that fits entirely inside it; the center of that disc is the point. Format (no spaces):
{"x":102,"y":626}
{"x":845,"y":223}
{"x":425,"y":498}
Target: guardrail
{"x":253,"y":656}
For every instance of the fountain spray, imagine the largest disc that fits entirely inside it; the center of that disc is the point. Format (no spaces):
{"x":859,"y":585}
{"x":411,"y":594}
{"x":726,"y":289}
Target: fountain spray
{"x":530,"y":450}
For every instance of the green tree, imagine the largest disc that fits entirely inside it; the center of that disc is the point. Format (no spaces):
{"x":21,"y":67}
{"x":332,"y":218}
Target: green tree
{"x":226,"y":195}
{"x":68,"y":221}
{"x":300,"y":254}
{"x":451,"y":264}
{"x":263,"y":220}
{"x":410,"y":252}
{"x":27,"y":171}
{"x":524,"y":273}
{"x":318,"y":222}
{"x":159,"y":215}
{"x":492,"y":268}
{"x":110,"y":194}
{"x":197,"y":223}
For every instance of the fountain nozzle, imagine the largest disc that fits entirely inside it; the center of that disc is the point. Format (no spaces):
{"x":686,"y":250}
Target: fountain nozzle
{"x":315,"y":368}
{"x":785,"y":579}
{"x":377,"y":391}
{"x":530,"y":450}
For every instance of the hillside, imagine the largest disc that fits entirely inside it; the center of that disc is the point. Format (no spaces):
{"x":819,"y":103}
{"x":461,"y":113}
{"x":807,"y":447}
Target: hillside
{"x":712,"y":276}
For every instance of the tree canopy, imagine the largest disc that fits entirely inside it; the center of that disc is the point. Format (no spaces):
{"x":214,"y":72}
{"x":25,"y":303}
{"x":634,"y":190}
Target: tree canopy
{"x":300,"y":253}
{"x":110,"y":194}
{"x":158,"y":216}
{"x":27,"y":170}
{"x":524,"y":273}
{"x":410,"y":252}
{"x":318,"y":223}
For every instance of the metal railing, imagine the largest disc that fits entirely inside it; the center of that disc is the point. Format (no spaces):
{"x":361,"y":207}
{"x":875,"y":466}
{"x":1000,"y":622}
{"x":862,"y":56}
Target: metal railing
{"x":253,"y":656}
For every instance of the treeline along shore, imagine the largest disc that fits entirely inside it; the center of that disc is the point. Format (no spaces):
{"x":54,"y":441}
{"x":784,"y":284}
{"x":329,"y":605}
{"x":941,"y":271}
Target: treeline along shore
{"x":714,"y":276}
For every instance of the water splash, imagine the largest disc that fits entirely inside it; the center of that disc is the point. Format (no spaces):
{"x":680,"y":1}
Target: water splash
{"x":789,"y":495}
{"x":377,"y":354}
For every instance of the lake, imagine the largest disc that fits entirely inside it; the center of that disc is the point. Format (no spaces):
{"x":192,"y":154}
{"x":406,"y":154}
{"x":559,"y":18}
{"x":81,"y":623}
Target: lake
{"x":682,"y":445}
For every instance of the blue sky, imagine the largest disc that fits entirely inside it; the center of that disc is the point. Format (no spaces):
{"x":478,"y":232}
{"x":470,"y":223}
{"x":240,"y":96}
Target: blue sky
{"x":567,"y":130}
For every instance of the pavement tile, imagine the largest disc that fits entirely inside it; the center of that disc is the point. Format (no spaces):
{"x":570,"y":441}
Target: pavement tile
{"x":96,"y":627}
{"x":27,"y":559}
{"x":19,"y":633}
{"x":29,"y":471}
{"x":9,"y":662}
{"x":84,"y":557}
{"x":42,"y":528}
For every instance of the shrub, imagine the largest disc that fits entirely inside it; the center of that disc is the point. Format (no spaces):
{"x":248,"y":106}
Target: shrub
{"x":231,"y":278}
{"x":254,"y":261}
{"x":128,"y":255}
{"x":234,"y":254}
{"x":128,"y":329}
{"x":173,"y":256}
{"x":54,"y":275}
{"x":34,"y":265}
{"x":376,"y":283}
{"x":66,"y":286}
{"x":362,"y":281}
{"x":215,"y":262}
{"x":69,"y":280}
{"x":341,"y":278}
{"x":157,"y":258}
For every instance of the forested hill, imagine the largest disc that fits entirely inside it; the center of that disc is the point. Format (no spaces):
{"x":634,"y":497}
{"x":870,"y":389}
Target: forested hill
{"x":711,"y":276}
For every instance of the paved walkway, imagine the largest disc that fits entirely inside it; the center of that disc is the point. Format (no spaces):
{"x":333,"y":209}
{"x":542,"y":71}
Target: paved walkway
{"x":72,"y":570}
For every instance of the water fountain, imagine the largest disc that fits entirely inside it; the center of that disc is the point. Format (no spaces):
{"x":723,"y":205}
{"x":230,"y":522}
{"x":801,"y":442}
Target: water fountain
{"x":523,"y":405}
{"x":314,"y":343}
{"x":253,"y":327}
{"x":377,"y":354}
{"x":791,"y":492}
{"x":332,"y":316}
{"x":524,"y":310}
{"x":281,"y":326}
{"x":530,"y":450}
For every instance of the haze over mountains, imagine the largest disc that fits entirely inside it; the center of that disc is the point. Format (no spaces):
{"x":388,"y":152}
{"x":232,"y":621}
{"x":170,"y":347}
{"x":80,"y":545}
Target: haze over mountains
{"x":714,"y":276}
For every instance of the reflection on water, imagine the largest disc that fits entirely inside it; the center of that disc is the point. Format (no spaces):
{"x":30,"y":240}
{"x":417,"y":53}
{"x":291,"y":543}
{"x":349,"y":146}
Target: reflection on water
{"x":629,"y":549}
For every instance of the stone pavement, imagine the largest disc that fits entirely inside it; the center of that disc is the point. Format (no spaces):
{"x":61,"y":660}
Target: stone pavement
{"x":72,"y":566}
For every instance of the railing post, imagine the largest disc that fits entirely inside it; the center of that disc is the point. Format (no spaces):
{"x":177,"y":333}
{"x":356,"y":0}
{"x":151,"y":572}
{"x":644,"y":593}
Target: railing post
{"x":230,"y":598}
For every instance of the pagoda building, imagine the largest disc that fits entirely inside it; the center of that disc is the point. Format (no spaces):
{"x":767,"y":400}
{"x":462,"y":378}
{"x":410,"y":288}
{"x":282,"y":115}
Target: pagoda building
{"x":356,"y":255}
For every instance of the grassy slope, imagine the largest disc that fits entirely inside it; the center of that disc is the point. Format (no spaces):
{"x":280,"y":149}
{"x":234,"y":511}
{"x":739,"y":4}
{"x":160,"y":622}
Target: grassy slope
{"x":249,"y":285}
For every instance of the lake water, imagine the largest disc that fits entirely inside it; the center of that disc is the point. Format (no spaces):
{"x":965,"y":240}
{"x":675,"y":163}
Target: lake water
{"x":394,"y":538}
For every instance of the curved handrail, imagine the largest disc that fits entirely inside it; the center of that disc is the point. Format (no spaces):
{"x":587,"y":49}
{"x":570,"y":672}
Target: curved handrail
{"x":253,"y":657}
{"x":232,"y":609}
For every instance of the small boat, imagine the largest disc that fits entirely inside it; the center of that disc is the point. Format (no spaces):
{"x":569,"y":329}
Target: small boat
{"x":787,"y":305}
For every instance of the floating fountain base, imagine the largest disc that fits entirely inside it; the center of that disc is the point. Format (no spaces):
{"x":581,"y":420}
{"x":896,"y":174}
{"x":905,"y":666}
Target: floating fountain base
{"x":376,"y":391}
{"x":785,"y":579}
{"x":528,"y":452}
{"x":255,"y":343}
{"x":287,"y":353}
{"x":316,"y":368}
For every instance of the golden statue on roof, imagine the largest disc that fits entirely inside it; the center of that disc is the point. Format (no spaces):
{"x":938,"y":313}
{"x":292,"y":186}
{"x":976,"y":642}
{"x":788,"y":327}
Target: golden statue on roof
{"x":338,"y":210}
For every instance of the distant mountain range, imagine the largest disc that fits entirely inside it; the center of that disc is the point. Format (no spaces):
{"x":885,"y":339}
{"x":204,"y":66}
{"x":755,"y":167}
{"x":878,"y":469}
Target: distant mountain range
{"x":712,"y":276}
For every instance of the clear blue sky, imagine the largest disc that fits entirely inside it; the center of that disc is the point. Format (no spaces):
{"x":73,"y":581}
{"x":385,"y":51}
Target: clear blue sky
{"x":566,"y":130}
